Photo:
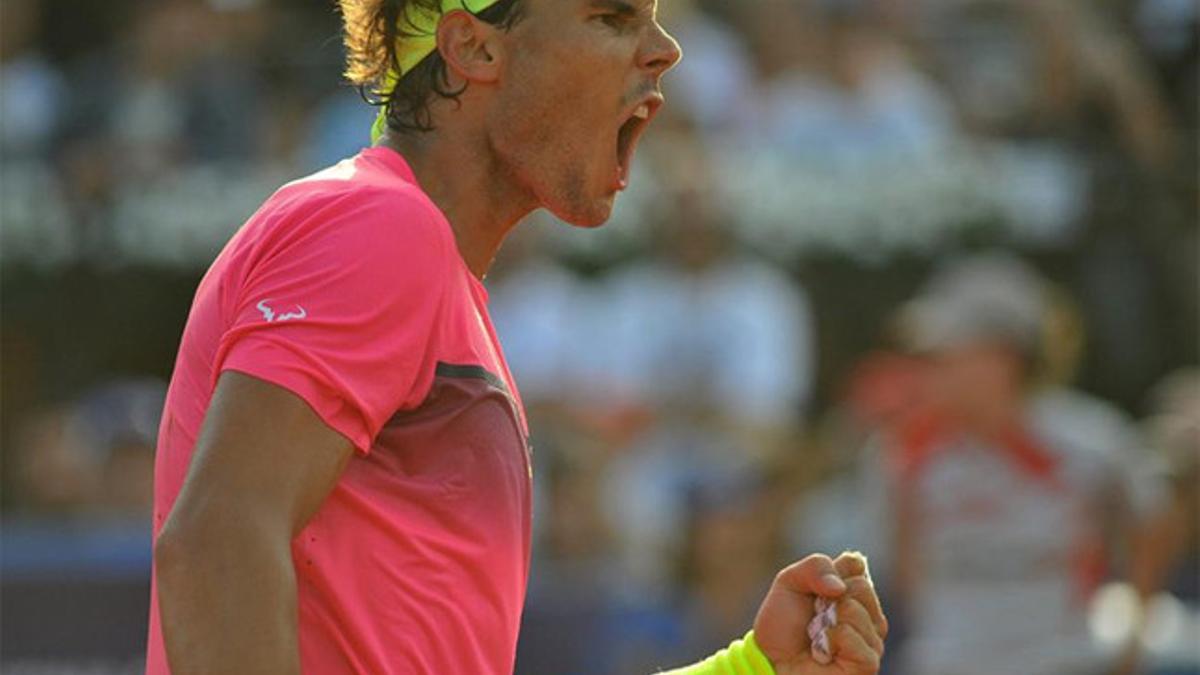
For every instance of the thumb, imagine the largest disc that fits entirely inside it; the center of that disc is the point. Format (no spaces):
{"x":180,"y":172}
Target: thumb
{"x":814,"y":575}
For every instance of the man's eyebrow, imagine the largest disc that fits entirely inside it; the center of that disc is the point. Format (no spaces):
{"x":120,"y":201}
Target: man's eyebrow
{"x":617,"y":6}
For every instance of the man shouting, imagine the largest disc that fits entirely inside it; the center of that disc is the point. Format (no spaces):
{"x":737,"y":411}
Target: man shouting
{"x":343,"y":481}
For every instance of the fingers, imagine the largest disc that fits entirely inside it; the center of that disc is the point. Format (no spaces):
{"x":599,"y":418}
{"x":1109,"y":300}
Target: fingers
{"x":852,"y":652}
{"x":814,"y":575}
{"x":863,"y":591}
{"x":852,"y":564}
{"x":846,"y":614}
{"x":852,"y":613}
{"x":858,"y":637}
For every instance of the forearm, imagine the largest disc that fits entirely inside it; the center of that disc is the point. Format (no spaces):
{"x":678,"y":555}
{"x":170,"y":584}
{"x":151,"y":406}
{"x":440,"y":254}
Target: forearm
{"x":1154,"y":547}
{"x":743,"y":657}
{"x":227,"y":601}
{"x":1156,"y":544}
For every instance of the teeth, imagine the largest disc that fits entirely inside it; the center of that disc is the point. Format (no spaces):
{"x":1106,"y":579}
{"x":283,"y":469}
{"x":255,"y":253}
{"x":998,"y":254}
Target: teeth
{"x":642,"y":112}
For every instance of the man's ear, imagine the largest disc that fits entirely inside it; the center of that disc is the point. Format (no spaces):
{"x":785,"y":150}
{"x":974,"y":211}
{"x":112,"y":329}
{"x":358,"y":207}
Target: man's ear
{"x":470,"y":47}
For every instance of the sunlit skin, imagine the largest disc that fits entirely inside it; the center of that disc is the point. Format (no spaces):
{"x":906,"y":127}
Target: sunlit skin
{"x":539,"y":122}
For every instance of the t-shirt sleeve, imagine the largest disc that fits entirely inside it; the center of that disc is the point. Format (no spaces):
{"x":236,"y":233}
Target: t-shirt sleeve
{"x":339,"y":307}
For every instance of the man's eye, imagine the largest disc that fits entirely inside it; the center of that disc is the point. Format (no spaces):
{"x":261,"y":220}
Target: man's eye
{"x":612,"y":20}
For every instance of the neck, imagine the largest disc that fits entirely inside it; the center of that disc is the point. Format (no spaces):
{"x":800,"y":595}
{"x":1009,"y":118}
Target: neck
{"x":460,"y":173}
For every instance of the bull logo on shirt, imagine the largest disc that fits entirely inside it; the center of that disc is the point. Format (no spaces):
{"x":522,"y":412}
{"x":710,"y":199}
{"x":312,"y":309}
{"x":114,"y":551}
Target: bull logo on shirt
{"x":272,"y":317}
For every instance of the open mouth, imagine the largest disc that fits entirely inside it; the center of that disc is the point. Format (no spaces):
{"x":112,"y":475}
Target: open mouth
{"x":627,"y":139}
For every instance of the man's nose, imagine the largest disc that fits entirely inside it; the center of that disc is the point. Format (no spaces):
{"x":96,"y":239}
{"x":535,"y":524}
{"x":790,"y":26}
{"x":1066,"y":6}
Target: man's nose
{"x":661,"y":51}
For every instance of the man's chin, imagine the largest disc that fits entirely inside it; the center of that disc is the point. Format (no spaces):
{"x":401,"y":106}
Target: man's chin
{"x":588,"y":224}
{"x":590,"y":217}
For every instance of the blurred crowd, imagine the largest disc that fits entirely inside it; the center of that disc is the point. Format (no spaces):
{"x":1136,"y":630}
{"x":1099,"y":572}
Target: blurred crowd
{"x":914,"y":277}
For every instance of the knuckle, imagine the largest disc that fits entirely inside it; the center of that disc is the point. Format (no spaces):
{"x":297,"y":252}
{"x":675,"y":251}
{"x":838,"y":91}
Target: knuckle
{"x":862,"y":589}
{"x":786,"y":573}
{"x":860,"y":584}
{"x":817,"y":560}
{"x":780,"y":578}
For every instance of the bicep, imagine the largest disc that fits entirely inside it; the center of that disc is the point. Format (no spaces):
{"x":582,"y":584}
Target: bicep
{"x":263,"y":455}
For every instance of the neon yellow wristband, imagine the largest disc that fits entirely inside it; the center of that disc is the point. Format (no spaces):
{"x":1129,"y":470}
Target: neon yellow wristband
{"x":742,"y":657}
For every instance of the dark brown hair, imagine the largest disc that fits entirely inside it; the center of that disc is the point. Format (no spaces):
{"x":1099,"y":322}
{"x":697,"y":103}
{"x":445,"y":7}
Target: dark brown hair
{"x":372,"y":28}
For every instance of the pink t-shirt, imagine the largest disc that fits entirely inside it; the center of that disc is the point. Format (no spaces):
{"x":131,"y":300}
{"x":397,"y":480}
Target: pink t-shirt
{"x":347,"y":289}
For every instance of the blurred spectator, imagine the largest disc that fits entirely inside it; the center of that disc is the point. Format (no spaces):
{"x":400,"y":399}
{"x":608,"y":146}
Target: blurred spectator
{"x":1031,"y":67}
{"x":95,"y":456}
{"x":58,"y":472}
{"x":1162,"y":596}
{"x":1008,"y":501}
{"x":121,"y":419}
{"x":845,"y":504}
{"x":1170,"y":29}
{"x":1174,"y":433}
{"x":185,"y":91}
{"x":706,"y":328}
{"x":717,"y":346}
{"x":32,"y":91}
{"x":858,"y":100}
{"x":723,"y":590}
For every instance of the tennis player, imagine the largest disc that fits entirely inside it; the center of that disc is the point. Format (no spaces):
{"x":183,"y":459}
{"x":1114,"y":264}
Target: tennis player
{"x":342,"y":482}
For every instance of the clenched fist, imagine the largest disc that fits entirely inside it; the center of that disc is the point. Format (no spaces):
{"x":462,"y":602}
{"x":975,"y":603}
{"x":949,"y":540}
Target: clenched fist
{"x":856,"y":641}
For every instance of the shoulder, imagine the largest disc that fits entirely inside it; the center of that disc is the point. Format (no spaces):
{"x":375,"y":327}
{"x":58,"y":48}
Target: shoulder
{"x":1083,"y":426}
{"x":390,"y":226}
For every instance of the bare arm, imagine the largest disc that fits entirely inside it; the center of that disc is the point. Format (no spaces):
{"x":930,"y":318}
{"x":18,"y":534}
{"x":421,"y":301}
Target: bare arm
{"x":1081,"y":52}
{"x":263,"y":465}
{"x":1155,"y":544}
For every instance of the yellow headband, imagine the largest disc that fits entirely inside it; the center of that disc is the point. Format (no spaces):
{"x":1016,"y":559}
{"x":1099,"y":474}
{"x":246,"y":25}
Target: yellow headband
{"x":419,"y":41}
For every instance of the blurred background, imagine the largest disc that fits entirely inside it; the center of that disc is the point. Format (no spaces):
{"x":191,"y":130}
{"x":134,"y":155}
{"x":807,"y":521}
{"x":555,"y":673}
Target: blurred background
{"x":913,"y":277}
